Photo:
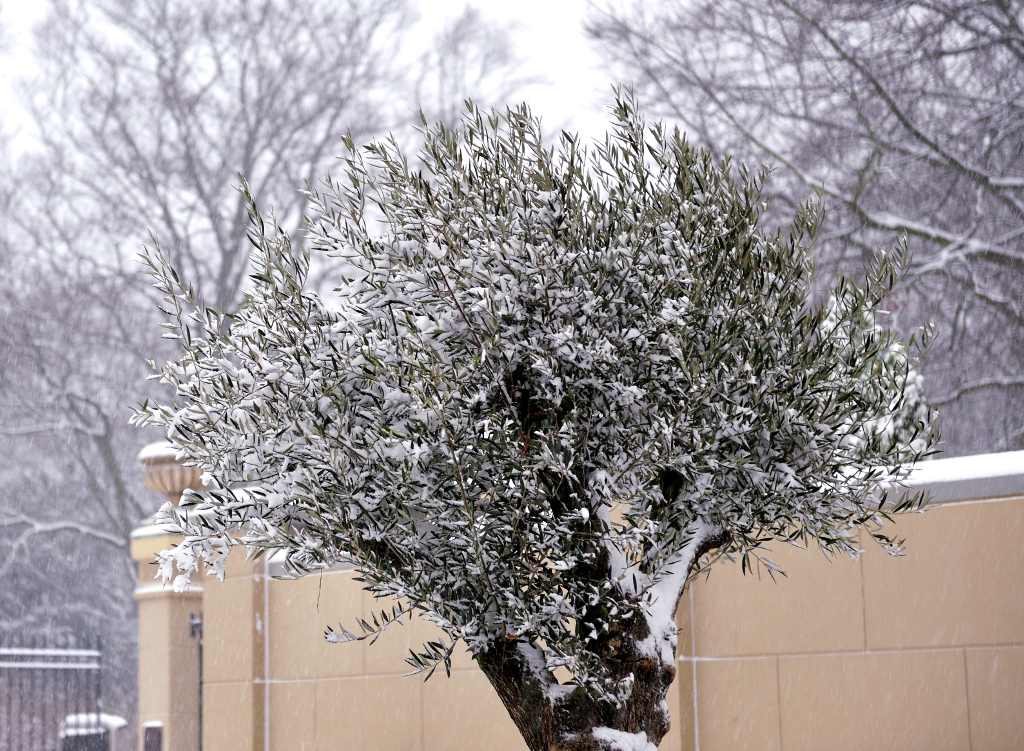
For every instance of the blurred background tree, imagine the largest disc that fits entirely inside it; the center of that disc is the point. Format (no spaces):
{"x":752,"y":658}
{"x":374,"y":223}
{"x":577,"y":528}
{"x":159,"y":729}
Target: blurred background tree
{"x":146,"y":115}
{"x":907,"y":119}
{"x":470,"y":56}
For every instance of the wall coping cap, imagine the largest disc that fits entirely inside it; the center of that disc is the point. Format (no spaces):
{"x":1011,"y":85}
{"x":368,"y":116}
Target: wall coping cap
{"x":88,"y":722}
{"x":968,"y":478}
{"x":158,"y":589}
{"x":949,"y":480}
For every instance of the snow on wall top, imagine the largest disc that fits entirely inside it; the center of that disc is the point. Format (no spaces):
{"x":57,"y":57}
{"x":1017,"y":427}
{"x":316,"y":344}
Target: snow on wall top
{"x":91,"y":723}
{"x":962,"y":478}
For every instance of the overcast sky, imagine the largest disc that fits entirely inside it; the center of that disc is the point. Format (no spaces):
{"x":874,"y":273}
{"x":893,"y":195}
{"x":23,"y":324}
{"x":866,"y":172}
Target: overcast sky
{"x":548,"y":35}
{"x":16,"y":20}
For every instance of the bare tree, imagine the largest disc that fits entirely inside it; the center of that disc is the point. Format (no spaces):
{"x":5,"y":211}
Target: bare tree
{"x":147,"y":114}
{"x":154,"y":108}
{"x":470,"y":58}
{"x":908,"y":120}
{"x":70,"y":490}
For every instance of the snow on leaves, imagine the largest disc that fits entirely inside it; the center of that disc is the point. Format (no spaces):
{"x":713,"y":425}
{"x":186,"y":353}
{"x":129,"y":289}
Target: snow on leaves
{"x":546,"y":376}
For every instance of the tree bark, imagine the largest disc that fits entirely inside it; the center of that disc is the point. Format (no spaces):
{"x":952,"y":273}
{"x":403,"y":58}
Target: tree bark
{"x":553,"y":717}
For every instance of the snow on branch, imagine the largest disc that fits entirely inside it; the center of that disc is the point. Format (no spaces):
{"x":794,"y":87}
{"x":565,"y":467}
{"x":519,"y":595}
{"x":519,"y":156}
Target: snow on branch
{"x":550,"y":378}
{"x":34,"y":526}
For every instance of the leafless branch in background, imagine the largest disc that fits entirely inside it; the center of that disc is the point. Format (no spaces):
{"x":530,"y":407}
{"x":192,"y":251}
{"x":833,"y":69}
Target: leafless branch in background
{"x":148,"y":113}
{"x":471,"y":57}
{"x":907,"y":120}
{"x":153,"y":109}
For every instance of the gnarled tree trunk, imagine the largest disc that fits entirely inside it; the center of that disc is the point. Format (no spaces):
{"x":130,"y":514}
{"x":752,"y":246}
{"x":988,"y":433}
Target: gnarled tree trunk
{"x":556,"y":717}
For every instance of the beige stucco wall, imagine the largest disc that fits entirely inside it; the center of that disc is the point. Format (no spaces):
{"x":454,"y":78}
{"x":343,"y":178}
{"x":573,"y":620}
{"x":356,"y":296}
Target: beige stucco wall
{"x":168,"y":680}
{"x":922,"y":652}
{"x":266,"y":651}
{"x":925,"y":651}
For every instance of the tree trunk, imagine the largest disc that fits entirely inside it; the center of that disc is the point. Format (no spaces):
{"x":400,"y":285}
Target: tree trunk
{"x":562,"y":718}
{"x":553,"y":717}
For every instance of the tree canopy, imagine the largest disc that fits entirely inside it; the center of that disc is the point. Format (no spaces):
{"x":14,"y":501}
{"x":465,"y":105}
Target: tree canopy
{"x":550,"y":379}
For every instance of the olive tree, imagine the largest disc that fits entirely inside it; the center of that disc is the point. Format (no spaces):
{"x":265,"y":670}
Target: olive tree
{"x":550,"y":382}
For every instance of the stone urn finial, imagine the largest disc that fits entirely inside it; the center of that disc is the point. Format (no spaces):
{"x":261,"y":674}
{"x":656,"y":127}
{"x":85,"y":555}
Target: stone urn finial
{"x":163,"y":473}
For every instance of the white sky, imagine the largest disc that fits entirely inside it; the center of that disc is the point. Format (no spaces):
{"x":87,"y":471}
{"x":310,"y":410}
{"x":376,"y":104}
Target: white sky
{"x":550,"y":40}
{"x":17,"y":18}
{"x":547,"y":34}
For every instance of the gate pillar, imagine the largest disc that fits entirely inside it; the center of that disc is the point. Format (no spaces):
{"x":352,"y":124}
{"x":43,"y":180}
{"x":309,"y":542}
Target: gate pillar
{"x":169,"y":717}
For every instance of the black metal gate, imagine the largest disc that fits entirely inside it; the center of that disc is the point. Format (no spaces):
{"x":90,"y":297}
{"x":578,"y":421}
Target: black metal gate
{"x":51,"y":695}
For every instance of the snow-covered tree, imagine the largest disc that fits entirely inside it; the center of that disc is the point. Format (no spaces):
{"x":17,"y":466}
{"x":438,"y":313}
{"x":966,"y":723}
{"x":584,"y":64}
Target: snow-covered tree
{"x":551,"y":380}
